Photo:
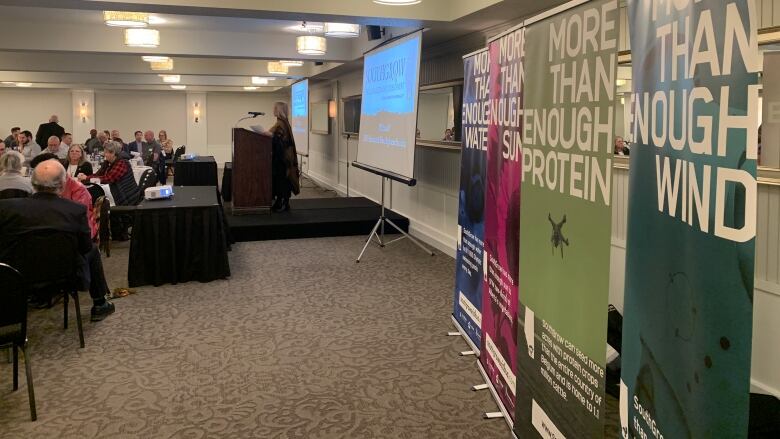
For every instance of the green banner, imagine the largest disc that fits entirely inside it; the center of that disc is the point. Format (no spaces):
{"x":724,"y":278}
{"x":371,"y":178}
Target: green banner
{"x":565,"y":221}
{"x":692,"y":219}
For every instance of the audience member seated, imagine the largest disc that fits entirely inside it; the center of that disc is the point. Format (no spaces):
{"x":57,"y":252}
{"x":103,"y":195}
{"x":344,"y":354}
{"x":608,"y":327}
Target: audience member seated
{"x":10,"y":173}
{"x":66,"y":142}
{"x":77,"y":163}
{"x":136,"y":145}
{"x":46,"y":210}
{"x":165,"y":154}
{"x":2,"y":148}
{"x":73,"y":191}
{"x":162,"y":137}
{"x":117,"y":173}
{"x":46,"y":130}
{"x":27,"y":146}
{"x":151,"y":151}
{"x":54,"y":147}
{"x":448,"y":135}
{"x":10,"y":141}
{"x":117,"y":138}
{"x":620,"y":146}
{"x":92,"y":142}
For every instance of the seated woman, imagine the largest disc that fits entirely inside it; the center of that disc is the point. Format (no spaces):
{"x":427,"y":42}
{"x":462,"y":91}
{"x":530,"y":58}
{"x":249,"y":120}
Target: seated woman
{"x":117,"y":173}
{"x":77,"y":163}
{"x":166,"y":160}
{"x":11,"y":179}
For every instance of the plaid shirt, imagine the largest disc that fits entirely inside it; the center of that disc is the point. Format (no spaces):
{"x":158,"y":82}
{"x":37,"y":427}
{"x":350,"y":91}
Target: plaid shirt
{"x":112,"y":172}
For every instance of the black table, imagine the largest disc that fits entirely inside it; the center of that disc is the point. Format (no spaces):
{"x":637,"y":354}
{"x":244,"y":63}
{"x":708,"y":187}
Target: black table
{"x":199,"y":171}
{"x":179,"y":240}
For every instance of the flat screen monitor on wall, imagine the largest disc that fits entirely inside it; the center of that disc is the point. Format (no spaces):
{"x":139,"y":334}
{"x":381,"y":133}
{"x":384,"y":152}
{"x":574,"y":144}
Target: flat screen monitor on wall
{"x":300,"y":116}
{"x":352,"y":115}
{"x":388,"y":116}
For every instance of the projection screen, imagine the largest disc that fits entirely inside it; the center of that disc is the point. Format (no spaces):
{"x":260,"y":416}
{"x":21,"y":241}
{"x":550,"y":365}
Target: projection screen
{"x":300,"y":116}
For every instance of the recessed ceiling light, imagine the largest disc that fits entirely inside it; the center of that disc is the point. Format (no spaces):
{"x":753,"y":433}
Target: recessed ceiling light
{"x":291,"y":63}
{"x":277,"y":68}
{"x":311,"y":45}
{"x":397,"y":2}
{"x":24,"y":84}
{"x":259,"y":80}
{"x":126,"y":19}
{"x":178,"y":87}
{"x":250,"y":88}
{"x":155,"y":58}
{"x":306,"y":27}
{"x":171,"y":78}
{"x":142,"y":37}
{"x":156,"y":19}
{"x":161,"y":65}
{"x":342,"y":30}
{"x":8,"y":83}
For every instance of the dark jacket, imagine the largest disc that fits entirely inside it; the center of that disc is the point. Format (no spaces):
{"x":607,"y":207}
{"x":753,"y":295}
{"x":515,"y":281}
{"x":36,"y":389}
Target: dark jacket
{"x":125,"y":190}
{"x":46,"y":130}
{"x":84,"y":168}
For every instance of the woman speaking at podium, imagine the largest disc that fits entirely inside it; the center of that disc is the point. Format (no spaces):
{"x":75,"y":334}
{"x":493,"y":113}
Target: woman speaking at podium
{"x":284,"y":159}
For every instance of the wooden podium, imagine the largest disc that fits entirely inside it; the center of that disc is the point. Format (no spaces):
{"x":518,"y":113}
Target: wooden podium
{"x":251,"y":172}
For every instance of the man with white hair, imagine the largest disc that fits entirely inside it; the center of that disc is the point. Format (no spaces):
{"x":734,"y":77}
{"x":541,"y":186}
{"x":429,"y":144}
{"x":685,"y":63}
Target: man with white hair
{"x":53,"y":145}
{"x":46,"y":130}
{"x":47,"y":210}
{"x":10,"y":173}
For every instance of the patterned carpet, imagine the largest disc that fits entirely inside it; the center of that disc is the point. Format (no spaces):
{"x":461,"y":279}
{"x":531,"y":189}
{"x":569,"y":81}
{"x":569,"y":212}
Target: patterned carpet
{"x":300,"y":343}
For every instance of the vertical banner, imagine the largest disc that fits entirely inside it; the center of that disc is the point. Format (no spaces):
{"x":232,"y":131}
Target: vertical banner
{"x":471,"y":219}
{"x":502,"y":216}
{"x":692,"y":219}
{"x":565,"y":221}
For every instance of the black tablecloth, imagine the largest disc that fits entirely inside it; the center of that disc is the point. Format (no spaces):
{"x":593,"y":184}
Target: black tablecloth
{"x":200,"y":171}
{"x":179,"y":240}
{"x":227,"y":182}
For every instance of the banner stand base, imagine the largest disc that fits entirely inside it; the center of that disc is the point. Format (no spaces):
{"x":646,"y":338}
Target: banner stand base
{"x":467,"y":353}
{"x":453,"y":334}
{"x":492,"y":415}
{"x":479,"y":387}
{"x":379,"y":231}
{"x":474,"y":349}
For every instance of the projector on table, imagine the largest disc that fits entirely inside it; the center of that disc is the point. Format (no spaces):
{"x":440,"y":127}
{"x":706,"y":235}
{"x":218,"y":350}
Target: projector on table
{"x":188,"y":156}
{"x":158,"y":192}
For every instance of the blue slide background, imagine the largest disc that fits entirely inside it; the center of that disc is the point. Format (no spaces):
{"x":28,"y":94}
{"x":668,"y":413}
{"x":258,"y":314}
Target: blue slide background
{"x":383,"y":95}
{"x":300,"y":115}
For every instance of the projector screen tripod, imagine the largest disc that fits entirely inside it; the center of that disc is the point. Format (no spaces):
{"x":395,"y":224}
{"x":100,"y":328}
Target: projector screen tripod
{"x":378,"y":231}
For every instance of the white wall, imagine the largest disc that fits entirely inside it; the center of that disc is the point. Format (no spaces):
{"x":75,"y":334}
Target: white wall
{"x":28,"y":108}
{"x":142,"y":110}
{"x":224,"y":109}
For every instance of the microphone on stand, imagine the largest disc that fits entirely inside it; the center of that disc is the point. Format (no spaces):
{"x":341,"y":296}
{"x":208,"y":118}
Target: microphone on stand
{"x":255,"y":113}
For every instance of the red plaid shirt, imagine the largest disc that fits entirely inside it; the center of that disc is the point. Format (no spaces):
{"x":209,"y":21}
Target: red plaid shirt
{"x":112,"y":172}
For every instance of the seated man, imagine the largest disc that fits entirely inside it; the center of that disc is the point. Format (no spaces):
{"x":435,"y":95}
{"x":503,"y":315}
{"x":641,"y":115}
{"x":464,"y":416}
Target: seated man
{"x":47,"y":210}
{"x":53,"y":146}
{"x":73,"y":191}
{"x":118,"y":173}
{"x":11,"y":173}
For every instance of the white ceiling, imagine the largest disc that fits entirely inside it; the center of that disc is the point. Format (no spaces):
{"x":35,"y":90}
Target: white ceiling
{"x":215,"y":44}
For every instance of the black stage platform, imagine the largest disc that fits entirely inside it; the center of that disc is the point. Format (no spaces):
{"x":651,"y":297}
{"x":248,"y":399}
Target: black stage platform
{"x":312,"y":218}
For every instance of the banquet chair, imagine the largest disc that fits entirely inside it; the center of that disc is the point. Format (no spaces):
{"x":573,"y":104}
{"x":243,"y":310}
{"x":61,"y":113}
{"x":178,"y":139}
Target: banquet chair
{"x":47,"y":260}
{"x":147,"y":180}
{"x":13,"y":326}
{"x":101,"y":208}
{"x":13,"y":193}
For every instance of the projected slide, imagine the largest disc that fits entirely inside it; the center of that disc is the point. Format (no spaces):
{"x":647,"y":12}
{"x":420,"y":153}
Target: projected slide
{"x":300,"y":116}
{"x":388,"y":117}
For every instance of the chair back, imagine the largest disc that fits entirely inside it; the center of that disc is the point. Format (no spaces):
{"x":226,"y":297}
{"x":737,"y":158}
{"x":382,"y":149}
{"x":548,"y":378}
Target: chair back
{"x":148,"y":179}
{"x":13,"y":299}
{"x":47,"y":257}
{"x":179,"y":152}
{"x":13,"y":193}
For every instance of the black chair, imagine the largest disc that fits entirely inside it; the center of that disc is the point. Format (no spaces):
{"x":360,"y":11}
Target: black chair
{"x":180,"y":151}
{"x":13,"y":193}
{"x":102,"y":209}
{"x":147,"y":180}
{"x":13,"y":326}
{"x":48,"y":262}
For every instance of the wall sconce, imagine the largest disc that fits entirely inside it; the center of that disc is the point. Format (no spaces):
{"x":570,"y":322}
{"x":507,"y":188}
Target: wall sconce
{"x":83,"y":112}
{"x":196,"y":112}
{"x":331,"y":108}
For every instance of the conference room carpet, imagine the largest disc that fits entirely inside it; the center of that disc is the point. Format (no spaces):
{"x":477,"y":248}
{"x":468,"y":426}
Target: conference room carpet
{"x":300,"y":343}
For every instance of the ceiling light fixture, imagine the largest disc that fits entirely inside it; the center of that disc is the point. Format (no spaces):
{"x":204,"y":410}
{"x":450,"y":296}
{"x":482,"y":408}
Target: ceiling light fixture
{"x":126,"y":19}
{"x":142,"y":37}
{"x":250,"y":88}
{"x":342,"y":30}
{"x":161,"y":65}
{"x":156,"y":19}
{"x":178,"y":87}
{"x":397,"y":2}
{"x":311,"y":45}
{"x":171,"y":78}
{"x":291,"y":63}
{"x":307,"y":27}
{"x":277,"y":68}
{"x":24,"y":84}
{"x":155,"y":58}
{"x":259,"y":80}
{"x":8,"y":83}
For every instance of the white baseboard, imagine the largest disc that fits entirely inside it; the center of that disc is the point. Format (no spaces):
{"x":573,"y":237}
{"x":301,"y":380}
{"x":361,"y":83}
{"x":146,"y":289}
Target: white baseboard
{"x":759,"y":387}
